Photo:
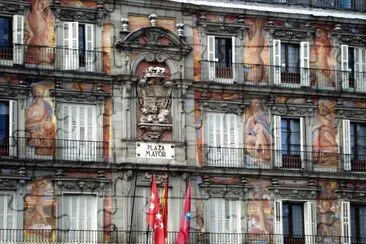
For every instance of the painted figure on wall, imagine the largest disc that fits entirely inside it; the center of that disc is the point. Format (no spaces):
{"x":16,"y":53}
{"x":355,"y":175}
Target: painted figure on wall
{"x":254,"y":50}
{"x":257,"y":132}
{"x":321,"y":58}
{"x":40,"y":25}
{"x":328,"y":212}
{"x":39,"y":206}
{"x":325,"y":146}
{"x":40,"y":123}
{"x":260,"y":219}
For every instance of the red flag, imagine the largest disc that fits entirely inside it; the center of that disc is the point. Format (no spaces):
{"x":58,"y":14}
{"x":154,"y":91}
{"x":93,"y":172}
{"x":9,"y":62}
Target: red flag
{"x":154,"y":217}
{"x":164,"y":207}
{"x":152,"y":208}
{"x":185,"y":220}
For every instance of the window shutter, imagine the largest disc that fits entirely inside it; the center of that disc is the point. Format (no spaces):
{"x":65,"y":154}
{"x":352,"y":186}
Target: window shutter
{"x":90,"y":59}
{"x":305,"y":63}
{"x":344,"y":66}
{"x":71,"y":45}
{"x":361,"y":84}
{"x":13,"y":126}
{"x":357,"y":68}
{"x":7,"y":213}
{"x":233,"y":55}
{"x":18,"y":39}
{"x":211,"y":57}
{"x":302,"y":141}
{"x":346,"y":145}
{"x":346,"y":222}
{"x":277,"y":140}
{"x":276,"y":61}
{"x":310,"y":222}
{"x":278,"y":226}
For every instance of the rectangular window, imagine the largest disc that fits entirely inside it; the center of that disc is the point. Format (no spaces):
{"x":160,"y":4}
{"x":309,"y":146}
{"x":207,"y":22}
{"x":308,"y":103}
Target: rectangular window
{"x":358,"y":223}
{"x":79,"y":218}
{"x":8,"y":125}
{"x":353,"y":66}
{"x":290,"y":62}
{"x":293,"y":222}
{"x":5,"y":33}
{"x":358,"y":146}
{"x":223,"y":139}
{"x":82,"y":45}
{"x":291,"y":143}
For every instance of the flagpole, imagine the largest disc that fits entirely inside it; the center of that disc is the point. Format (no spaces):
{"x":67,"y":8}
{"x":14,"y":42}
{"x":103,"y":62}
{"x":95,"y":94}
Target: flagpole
{"x":133,"y":208}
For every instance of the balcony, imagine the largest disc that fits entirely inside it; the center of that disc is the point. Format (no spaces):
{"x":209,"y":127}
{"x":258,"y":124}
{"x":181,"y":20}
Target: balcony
{"x":289,"y":77}
{"x":25,"y":148}
{"x":52,"y":58}
{"x":143,"y":237}
{"x":283,"y":160}
{"x":345,"y":5}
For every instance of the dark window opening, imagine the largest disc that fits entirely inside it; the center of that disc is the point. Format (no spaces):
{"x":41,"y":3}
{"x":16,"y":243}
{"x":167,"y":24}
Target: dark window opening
{"x":223,"y":55}
{"x":291,"y":142}
{"x":290,"y":62}
{"x":351,"y":66}
{"x":293,"y":222}
{"x":358,"y":146}
{"x":4,"y":128}
{"x":6,"y":38}
{"x":358,"y":223}
{"x":81,"y":46}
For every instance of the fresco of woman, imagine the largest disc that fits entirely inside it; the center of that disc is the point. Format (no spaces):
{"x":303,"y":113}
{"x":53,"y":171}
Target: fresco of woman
{"x":39,"y":125}
{"x":257,"y":132}
{"x":325,"y":146}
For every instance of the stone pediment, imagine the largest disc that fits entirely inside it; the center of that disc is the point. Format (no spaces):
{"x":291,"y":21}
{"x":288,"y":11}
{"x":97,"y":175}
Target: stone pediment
{"x":154,"y":39}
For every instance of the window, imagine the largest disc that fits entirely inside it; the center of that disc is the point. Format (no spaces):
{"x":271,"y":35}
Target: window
{"x":221,"y":59}
{"x":8,"y":122}
{"x":7,"y":215}
{"x":345,"y":4}
{"x":11,"y":39}
{"x":78,"y":44}
{"x":289,"y":142}
{"x":223,"y":216}
{"x":79,"y":218}
{"x":223,"y":139}
{"x":353,"y":66}
{"x":78,"y":133}
{"x":291,"y":63}
{"x":354,"y":145}
{"x":296,"y":221}
{"x":353,"y":222}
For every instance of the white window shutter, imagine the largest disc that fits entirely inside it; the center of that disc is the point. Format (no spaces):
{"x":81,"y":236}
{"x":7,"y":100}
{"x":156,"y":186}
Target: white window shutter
{"x":13,"y":127}
{"x":310,"y":222}
{"x":7,"y":214}
{"x":233,"y":55}
{"x":361,"y":85}
{"x":357,"y":68}
{"x":305,"y":63}
{"x":276,"y":61}
{"x":344,"y":66}
{"x":18,"y":39}
{"x":346,"y":222}
{"x":211,"y":57}
{"x":71,"y":45}
{"x":346,"y":144}
{"x":302,"y":141}
{"x":277,"y":140}
{"x":66,"y":26}
{"x":90,"y":57}
{"x":278,"y":226}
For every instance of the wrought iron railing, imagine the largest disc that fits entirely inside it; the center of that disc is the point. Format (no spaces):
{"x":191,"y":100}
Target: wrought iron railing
{"x":278,"y":76}
{"x":348,"y":5}
{"x":146,"y":237}
{"x":29,"y":148}
{"x":52,"y":58}
{"x":322,"y":161}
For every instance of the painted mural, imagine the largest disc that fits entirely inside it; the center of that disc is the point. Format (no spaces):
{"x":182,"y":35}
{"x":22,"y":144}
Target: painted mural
{"x":39,"y":205}
{"x":257,"y":135}
{"x":328,"y":212}
{"x":260,"y":216}
{"x":107,"y":48}
{"x":137,"y":22}
{"x":40,"y":120}
{"x":325,"y":135}
{"x":40,"y":31}
{"x":79,"y":3}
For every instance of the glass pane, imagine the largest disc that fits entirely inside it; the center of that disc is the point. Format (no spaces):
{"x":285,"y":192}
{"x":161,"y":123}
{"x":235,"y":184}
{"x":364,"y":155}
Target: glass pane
{"x":5,"y":32}
{"x":4,"y":120}
{"x":363,"y":223}
{"x":297,"y":220}
{"x":285,"y":219}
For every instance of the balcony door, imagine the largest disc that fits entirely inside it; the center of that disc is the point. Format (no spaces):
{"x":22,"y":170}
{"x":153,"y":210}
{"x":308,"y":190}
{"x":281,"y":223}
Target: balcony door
{"x":78,"y":133}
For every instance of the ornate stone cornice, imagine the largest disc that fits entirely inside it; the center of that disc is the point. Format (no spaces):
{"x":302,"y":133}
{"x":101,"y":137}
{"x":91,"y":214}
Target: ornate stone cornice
{"x":350,"y":38}
{"x":13,"y":91}
{"x":353,"y":113}
{"x":223,"y":28}
{"x":351,"y":195}
{"x":14,"y":7}
{"x":155,"y":40}
{"x":68,"y":184}
{"x":292,"y":110}
{"x":78,"y":96}
{"x":228,"y":107}
{"x":294,"y":193}
{"x":289,"y":31}
{"x":223,"y":191}
{"x":86,"y":15}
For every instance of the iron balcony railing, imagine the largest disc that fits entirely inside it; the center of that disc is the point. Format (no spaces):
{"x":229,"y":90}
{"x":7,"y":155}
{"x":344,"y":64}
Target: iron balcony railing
{"x":281,"y":76}
{"x":27,"y":148}
{"x":146,"y":237}
{"x":348,"y":5}
{"x":52,"y":58}
{"x":283,"y":159}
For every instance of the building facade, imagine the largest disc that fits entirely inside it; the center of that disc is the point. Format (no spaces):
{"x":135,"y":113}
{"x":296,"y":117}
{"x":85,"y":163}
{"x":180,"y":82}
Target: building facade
{"x":259,"y":104}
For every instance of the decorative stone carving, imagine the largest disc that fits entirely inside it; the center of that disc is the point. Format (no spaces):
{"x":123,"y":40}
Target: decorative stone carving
{"x":222,"y":27}
{"x":154,"y":101}
{"x":13,"y":91}
{"x":152,"y":19}
{"x":180,"y":29}
{"x":349,"y":38}
{"x":82,"y":15}
{"x":79,"y":96}
{"x":222,"y":107}
{"x":13,"y":7}
{"x":294,"y":193}
{"x":289,"y":31}
{"x":292,"y":110}
{"x":77,"y":184}
{"x":354,"y":113}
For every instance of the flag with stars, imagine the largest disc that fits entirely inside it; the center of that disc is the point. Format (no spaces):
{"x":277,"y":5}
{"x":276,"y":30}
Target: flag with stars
{"x":154,"y":217}
{"x":185,"y":220}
